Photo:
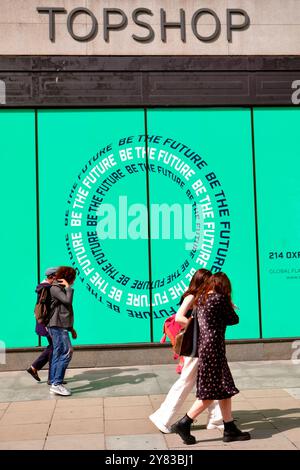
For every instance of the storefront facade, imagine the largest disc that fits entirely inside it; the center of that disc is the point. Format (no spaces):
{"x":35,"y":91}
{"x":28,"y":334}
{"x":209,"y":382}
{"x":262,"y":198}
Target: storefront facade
{"x":143,"y":141}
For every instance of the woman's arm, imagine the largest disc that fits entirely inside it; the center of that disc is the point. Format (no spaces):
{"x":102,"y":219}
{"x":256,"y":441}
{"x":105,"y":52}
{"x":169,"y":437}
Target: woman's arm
{"x":231,"y":316}
{"x":226,"y":310}
{"x":65,"y":297}
{"x":186,"y":305}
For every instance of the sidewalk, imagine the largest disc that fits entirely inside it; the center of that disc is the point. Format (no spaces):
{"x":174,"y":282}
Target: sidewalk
{"x":109,"y":409}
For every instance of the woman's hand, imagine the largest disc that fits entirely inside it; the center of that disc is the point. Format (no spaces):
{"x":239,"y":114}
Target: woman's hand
{"x":63,"y":282}
{"x":73,"y":333}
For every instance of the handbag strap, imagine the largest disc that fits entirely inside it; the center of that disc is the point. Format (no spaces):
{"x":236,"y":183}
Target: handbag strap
{"x":195,"y":332}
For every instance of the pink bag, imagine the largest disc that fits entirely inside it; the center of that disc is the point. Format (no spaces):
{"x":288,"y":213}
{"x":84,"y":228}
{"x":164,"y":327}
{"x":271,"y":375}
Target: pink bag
{"x":170,"y":329}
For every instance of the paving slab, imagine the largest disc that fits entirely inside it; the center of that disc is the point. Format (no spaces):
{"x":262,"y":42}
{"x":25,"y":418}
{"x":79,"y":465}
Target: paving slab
{"x":277,"y":382}
{"x":23,"y":445}
{"x":37,"y":417}
{"x":293,"y":392}
{"x":78,"y":412}
{"x":4,"y":406}
{"x":76,"y":426}
{"x":7,"y":394}
{"x":129,"y":427}
{"x":23,"y":432}
{"x":275,"y":403}
{"x":116,"y":382}
{"x":157,"y":400}
{"x":293,"y":434}
{"x":296,"y":444}
{"x":126,"y":401}
{"x":265,"y":393}
{"x":240,"y":396}
{"x":66,"y":402}
{"x":133,"y":442}
{"x":31,"y":406}
{"x":127,"y":412}
{"x":242,"y":405}
{"x":78,"y":442}
{"x":264,"y":443}
{"x":246,"y":382}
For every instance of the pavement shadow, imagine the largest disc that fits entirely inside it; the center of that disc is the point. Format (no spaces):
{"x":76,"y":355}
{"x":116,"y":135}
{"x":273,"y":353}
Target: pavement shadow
{"x":263,"y":424}
{"x":100,"y":379}
{"x":96,"y":374}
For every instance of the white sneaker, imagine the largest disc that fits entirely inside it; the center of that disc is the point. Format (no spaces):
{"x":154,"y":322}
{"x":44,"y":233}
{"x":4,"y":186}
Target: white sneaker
{"x":215,"y":424}
{"x":162,"y":427}
{"x":60,"y":390}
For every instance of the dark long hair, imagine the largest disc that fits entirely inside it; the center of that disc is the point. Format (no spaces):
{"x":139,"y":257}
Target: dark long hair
{"x":197,"y":281}
{"x":67,"y":273}
{"x":218,"y":283}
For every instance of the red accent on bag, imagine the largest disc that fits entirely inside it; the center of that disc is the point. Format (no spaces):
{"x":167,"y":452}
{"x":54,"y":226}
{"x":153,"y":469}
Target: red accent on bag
{"x":179,"y":365}
{"x":170,"y":329}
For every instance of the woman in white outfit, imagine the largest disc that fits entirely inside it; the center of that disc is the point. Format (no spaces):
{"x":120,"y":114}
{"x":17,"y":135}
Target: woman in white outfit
{"x":164,"y":416}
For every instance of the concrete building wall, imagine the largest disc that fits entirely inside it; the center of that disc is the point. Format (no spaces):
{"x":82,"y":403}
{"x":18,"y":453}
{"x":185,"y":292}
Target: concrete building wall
{"x":274,"y":28}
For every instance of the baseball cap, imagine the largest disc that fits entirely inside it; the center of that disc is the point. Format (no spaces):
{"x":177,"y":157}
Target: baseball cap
{"x":50,"y":271}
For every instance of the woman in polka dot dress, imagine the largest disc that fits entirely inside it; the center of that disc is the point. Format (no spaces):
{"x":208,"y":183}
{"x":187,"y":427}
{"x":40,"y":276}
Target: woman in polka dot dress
{"x":214,"y":380}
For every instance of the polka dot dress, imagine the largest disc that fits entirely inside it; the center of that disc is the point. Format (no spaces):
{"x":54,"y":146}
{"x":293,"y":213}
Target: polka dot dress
{"x":214,"y":381}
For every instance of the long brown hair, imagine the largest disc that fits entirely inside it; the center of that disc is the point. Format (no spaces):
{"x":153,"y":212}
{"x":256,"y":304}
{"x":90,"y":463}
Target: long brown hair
{"x":218,"y":283}
{"x":67,"y":273}
{"x":197,"y":281}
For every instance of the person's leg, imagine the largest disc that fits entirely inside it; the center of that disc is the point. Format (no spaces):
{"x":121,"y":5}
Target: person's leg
{"x":198,"y":407}
{"x":231,"y":431}
{"x":225,"y":406}
{"x":40,"y":362}
{"x":183,"y":426}
{"x":50,"y":356}
{"x":43,"y":358}
{"x":56,"y":351}
{"x":68,"y":354}
{"x":163,"y":417}
{"x":214,"y":419}
{"x":65,"y":357}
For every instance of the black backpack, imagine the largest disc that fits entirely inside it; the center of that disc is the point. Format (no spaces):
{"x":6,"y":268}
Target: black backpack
{"x":42,"y":309}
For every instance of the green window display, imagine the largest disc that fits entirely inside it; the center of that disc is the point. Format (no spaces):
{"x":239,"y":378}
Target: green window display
{"x":137,"y":200}
{"x":18,"y":274}
{"x":277,"y":157}
{"x":209,"y":151}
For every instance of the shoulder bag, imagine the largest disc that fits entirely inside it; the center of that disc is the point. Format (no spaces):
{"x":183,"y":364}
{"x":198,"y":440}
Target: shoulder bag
{"x":186,"y":340}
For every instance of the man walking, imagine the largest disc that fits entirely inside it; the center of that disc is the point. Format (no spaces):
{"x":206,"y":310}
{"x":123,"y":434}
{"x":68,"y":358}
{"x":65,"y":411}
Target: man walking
{"x":59,"y":327}
{"x":41,"y":330}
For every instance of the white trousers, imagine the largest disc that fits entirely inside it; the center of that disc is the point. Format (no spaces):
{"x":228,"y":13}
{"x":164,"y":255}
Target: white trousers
{"x":179,"y":392}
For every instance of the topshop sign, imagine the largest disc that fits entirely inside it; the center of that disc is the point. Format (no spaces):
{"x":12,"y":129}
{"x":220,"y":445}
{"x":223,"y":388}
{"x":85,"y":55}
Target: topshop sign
{"x":114,"y":19}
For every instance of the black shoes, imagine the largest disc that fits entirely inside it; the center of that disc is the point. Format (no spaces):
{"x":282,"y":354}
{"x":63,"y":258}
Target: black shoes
{"x":183,"y":428}
{"x":34,"y":374}
{"x":233,"y":433}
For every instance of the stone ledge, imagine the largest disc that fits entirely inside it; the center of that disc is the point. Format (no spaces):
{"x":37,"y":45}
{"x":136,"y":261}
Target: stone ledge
{"x":150,"y":355}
